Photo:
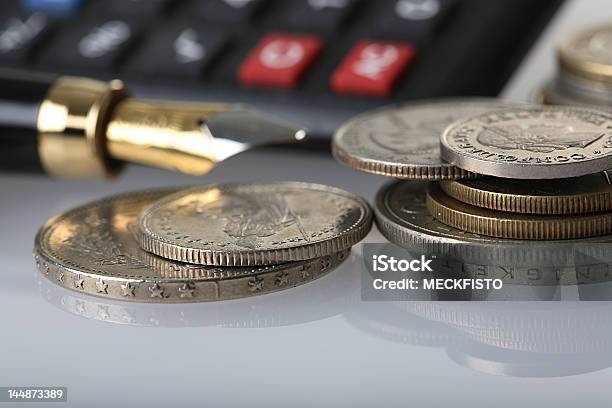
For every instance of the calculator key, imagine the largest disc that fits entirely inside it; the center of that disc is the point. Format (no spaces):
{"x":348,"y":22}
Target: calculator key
{"x":417,"y":9}
{"x":413,"y":19}
{"x":318,"y":15}
{"x":54,"y":7}
{"x":372,"y":68}
{"x":280,"y":60}
{"x":228,"y":11}
{"x":18,"y":36}
{"x":91,"y":45}
{"x":183,"y":51}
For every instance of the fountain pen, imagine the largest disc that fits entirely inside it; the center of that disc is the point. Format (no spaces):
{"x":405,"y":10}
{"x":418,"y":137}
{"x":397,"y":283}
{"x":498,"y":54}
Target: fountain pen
{"x":79,"y":127}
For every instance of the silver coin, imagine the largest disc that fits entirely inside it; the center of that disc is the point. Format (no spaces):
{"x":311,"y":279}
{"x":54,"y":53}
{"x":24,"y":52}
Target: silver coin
{"x":552,"y":94}
{"x":254,"y":224}
{"x":93,"y":249}
{"x":560,"y":91}
{"x":531,"y":142}
{"x":402,"y":217}
{"x":404,"y":141}
{"x":318,"y":300}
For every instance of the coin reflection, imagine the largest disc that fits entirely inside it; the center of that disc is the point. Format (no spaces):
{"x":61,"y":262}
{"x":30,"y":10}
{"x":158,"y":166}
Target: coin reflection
{"x":531,"y":338}
{"x":519,"y":339}
{"x":322,"y":298}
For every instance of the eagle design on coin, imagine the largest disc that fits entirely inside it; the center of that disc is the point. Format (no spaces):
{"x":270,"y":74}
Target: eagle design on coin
{"x":260,"y":217}
{"x":544,"y":138}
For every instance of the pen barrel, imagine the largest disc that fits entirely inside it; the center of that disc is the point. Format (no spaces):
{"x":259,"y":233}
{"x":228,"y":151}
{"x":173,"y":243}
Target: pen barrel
{"x":20,"y":97}
{"x":170,"y":135}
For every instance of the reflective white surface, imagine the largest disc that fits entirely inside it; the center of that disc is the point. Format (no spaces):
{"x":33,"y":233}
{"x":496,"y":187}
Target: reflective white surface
{"x":315,"y":345}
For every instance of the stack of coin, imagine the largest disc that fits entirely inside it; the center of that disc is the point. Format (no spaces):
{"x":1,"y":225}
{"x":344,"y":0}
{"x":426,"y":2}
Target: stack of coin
{"x":205,"y":243}
{"x":546,"y":162}
{"x":518,"y":174}
{"x":584,"y":74}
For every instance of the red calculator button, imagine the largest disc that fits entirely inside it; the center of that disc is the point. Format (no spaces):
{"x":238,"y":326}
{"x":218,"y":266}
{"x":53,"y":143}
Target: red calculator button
{"x":372,"y":68}
{"x":279,"y":60}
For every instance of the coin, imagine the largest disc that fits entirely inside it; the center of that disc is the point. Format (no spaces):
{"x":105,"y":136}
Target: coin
{"x":403,"y":141}
{"x":513,"y":225}
{"x":403,"y":218}
{"x":569,"y":90}
{"x":318,"y":300}
{"x":93,"y":249}
{"x":584,"y":77}
{"x":254,"y":224}
{"x":588,"y":54}
{"x":555,"y":93}
{"x":591,"y":193}
{"x":531,"y":142}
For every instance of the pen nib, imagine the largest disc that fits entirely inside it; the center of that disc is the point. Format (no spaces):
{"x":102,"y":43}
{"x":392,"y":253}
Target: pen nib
{"x":252,"y":127}
{"x":239,"y":129}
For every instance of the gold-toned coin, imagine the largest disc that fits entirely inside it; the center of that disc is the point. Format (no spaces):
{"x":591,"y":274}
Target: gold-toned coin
{"x":588,"y":54}
{"x":579,"y":195}
{"x":499,"y":224}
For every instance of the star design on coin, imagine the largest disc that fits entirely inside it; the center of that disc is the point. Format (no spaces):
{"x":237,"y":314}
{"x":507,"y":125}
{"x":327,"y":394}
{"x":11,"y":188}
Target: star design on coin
{"x":156,"y":291}
{"x":186,"y":291}
{"x":101,"y":286}
{"x":78,"y":282}
{"x":60,"y":277}
{"x":256,"y":283}
{"x":128,"y":289}
{"x":46,"y":266}
{"x":326,"y":263}
{"x":282,"y":279}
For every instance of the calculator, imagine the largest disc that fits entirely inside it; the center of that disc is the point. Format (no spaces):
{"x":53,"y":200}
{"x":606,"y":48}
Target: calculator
{"x":313,"y":62}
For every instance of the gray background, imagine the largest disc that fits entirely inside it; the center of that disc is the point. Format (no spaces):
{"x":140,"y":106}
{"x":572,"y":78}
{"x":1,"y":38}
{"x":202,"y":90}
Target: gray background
{"x":311,"y":346}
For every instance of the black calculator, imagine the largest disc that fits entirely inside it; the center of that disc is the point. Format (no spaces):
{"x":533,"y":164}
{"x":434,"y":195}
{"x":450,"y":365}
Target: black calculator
{"x":314,"y":62}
